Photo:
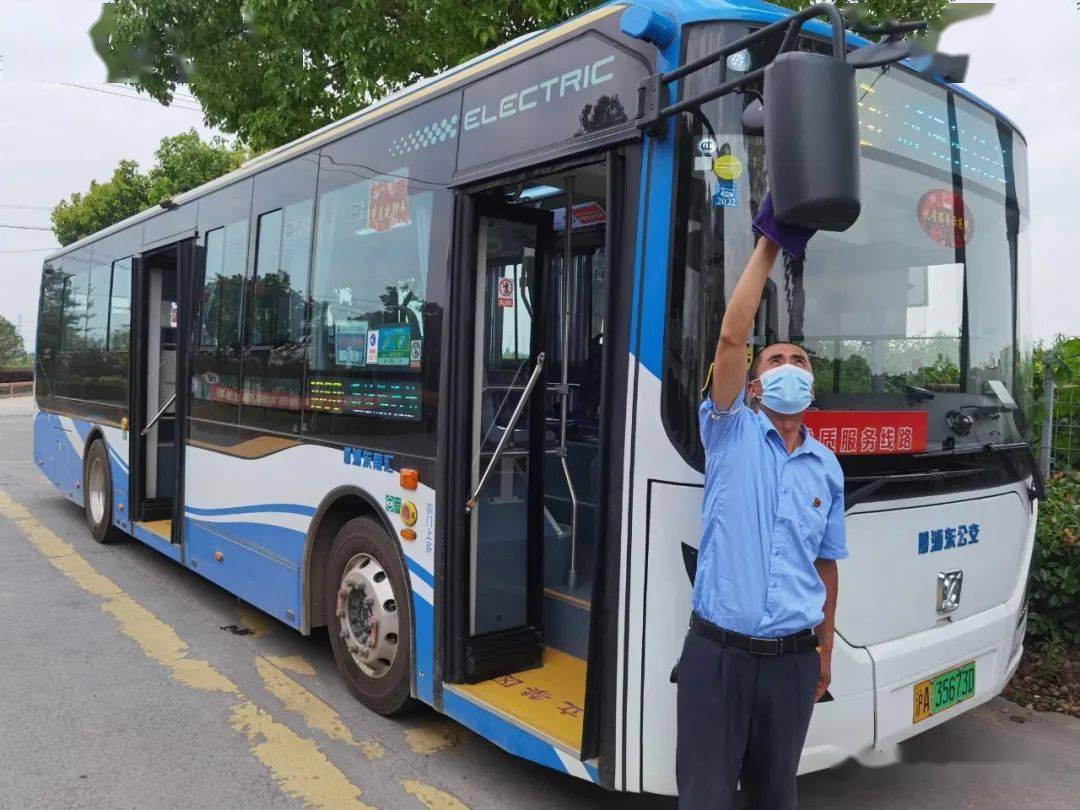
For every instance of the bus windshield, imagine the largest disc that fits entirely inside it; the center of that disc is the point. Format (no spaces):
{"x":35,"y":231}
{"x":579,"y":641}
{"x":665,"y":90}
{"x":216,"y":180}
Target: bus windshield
{"x":914,"y":307}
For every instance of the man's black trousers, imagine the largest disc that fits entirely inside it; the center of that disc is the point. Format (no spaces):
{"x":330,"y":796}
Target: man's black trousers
{"x":742,"y":717}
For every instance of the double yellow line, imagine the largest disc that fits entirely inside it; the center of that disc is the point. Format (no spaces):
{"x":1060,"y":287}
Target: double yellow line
{"x":296,"y":764}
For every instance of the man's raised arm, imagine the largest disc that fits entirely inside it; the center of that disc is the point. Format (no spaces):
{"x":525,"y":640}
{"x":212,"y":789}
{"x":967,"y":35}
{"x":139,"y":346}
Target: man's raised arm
{"x":729,"y":364}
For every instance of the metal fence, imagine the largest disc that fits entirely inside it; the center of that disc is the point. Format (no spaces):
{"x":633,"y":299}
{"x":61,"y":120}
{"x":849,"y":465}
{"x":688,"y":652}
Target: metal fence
{"x":15,"y":389}
{"x":1060,"y":438}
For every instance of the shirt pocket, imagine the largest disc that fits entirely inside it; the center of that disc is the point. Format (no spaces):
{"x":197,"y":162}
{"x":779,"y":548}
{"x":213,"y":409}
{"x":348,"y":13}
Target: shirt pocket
{"x":812,"y":520}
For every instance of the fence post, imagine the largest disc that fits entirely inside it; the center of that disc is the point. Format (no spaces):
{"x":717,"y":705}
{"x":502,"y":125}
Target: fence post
{"x":1047,"y":439}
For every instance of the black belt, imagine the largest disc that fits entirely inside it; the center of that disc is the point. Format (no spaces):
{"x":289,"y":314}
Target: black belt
{"x":803,"y":641}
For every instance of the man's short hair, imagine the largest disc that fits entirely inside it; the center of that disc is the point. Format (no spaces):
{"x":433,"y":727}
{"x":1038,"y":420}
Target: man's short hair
{"x":753,"y":373}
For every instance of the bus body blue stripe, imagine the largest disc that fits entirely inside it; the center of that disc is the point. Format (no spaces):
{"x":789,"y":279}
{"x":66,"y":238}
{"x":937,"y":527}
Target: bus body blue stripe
{"x":420,"y":571}
{"x":287,"y":508}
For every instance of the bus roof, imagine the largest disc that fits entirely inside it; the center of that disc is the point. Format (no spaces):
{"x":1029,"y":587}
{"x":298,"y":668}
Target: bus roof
{"x":684,"y":11}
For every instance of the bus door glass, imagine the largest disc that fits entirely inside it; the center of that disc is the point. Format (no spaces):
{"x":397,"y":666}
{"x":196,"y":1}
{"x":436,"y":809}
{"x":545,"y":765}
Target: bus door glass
{"x":161,"y":313}
{"x":511,"y":251}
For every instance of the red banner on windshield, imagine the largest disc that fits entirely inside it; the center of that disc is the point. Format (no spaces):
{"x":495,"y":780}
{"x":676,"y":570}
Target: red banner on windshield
{"x":868,"y":433}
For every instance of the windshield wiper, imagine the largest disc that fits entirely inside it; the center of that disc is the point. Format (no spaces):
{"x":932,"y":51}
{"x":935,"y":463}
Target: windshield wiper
{"x":872,"y":483}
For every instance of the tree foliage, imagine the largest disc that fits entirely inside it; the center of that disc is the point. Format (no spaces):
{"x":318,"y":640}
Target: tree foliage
{"x":881,"y":10}
{"x":271,"y":71}
{"x":182,"y":162}
{"x":12,"y":350}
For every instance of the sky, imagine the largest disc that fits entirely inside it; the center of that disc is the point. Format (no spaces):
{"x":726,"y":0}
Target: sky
{"x":55,"y":137}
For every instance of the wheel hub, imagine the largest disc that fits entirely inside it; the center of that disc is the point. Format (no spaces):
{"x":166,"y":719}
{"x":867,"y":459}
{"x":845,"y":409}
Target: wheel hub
{"x":96,"y":490}
{"x":367,"y":615}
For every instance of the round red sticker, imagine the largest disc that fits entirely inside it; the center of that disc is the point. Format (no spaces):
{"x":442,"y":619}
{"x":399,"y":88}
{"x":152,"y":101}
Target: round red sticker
{"x":946,"y":218}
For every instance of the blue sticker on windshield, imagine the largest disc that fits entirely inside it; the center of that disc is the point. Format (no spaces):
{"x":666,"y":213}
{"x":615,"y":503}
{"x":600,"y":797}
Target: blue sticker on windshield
{"x":726,"y":194}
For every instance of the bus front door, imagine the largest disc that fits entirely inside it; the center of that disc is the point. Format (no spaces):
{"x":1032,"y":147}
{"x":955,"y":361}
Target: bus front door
{"x":159,"y":400}
{"x":507,"y":521}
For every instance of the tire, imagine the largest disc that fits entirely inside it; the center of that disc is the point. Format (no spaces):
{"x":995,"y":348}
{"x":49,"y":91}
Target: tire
{"x":97,"y":492}
{"x":369,"y":616}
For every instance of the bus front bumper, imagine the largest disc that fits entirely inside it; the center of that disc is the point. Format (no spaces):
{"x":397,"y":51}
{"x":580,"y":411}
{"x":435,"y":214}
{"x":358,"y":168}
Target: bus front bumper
{"x":992,"y":639}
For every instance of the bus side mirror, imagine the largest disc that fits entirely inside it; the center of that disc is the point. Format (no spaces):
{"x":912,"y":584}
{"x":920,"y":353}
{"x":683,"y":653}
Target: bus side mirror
{"x":812,"y":140}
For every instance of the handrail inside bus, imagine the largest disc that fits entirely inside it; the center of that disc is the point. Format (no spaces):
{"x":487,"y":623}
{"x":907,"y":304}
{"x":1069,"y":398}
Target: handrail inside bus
{"x":507,"y":433}
{"x":158,"y":415}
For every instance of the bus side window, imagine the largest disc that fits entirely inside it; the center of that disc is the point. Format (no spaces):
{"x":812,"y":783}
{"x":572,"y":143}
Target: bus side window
{"x":381,"y":249}
{"x":95,"y":376}
{"x":275,"y":329}
{"x":223,"y":218}
{"x":69,"y":369}
{"x":48,"y":332}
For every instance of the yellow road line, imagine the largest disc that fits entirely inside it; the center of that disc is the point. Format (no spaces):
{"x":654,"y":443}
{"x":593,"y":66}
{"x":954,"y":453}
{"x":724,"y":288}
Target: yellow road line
{"x":293,"y":663}
{"x":432,"y":798}
{"x":316,"y":713}
{"x":433,"y":737}
{"x":300,"y":769}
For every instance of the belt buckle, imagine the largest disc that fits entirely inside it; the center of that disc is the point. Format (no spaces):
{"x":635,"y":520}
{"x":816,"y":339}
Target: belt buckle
{"x":764,"y":646}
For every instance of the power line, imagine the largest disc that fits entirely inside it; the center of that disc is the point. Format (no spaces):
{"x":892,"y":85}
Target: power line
{"x":128,"y":96}
{"x":30,"y":250}
{"x":26,"y":207}
{"x":27,"y":227}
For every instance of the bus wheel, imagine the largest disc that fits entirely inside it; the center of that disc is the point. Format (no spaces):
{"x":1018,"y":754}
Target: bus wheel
{"x":369,"y":620}
{"x":97,"y":492}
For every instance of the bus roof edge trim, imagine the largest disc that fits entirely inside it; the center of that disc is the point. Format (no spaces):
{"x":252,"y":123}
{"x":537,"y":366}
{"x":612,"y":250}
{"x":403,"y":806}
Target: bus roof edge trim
{"x":345,"y":126}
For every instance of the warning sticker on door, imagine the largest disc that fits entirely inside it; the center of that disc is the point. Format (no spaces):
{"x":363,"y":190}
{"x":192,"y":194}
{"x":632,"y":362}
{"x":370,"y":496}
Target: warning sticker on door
{"x":506,"y":292}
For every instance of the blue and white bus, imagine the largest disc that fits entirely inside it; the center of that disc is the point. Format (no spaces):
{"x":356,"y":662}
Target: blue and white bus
{"x":428,"y":377}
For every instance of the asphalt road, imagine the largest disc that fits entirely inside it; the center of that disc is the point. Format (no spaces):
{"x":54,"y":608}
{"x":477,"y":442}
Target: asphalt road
{"x":123,"y":686}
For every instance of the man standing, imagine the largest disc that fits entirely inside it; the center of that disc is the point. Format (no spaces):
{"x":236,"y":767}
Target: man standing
{"x":759,"y":650}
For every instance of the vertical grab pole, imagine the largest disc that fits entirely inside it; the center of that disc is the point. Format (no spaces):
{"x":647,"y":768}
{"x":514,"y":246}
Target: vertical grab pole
{"x":564,"y":388}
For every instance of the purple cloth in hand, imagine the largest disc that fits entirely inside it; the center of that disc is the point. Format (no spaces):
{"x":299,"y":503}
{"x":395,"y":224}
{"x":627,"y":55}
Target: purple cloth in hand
{"x":792,"y":238}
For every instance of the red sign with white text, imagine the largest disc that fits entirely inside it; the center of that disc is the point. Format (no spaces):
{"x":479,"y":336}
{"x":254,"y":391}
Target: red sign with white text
{"x":868,"y":433}
{"x":388,"y":204}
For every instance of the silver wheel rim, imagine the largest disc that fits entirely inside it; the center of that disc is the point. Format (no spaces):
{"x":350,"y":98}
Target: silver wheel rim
{"x":96,"y":487}
{"x":367,"y":615}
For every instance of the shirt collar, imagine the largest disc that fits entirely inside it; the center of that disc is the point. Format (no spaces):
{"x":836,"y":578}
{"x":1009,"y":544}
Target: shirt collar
{"x":809,"y":443}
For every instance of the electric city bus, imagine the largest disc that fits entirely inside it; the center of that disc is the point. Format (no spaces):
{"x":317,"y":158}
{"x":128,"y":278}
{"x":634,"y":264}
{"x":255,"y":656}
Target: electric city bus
{"x":429,"y":377}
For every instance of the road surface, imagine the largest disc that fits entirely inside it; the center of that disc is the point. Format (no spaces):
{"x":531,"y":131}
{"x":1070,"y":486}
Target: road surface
{"x":130,"y":681}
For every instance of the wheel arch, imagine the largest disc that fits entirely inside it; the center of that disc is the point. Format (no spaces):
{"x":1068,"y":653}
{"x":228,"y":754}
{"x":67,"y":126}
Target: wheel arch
{"x":338,"y":507}
{"x":92,"y":435}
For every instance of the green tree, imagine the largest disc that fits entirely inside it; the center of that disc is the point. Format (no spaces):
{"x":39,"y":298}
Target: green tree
{"x":123,"y":194}
{"x":878,"y":10}
{"x":12,"y":350}
{"x":182,"y":162}
{"x":270,"y":71}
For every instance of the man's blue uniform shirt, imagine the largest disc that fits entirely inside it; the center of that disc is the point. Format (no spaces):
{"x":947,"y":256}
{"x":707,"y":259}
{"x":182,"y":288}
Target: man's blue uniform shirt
{"x":767,"y":516}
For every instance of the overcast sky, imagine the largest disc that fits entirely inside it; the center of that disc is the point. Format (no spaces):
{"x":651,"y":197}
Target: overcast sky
{"x":55,"y":138}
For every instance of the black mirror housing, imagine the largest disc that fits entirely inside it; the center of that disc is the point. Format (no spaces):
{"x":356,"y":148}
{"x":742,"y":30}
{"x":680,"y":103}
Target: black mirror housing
{"x":812,"y":140}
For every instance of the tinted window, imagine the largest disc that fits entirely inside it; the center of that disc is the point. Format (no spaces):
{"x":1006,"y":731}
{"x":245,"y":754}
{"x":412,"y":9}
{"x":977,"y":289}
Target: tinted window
{"x":369,"y":289}
{"x":69,"y":368}
{"x":380,"y":258}
{"x":275,"y":324}
{"x":223,"y":219}
{"x":49,"y":327}
{"x":97,"y":305}
{"x":119,"y":338}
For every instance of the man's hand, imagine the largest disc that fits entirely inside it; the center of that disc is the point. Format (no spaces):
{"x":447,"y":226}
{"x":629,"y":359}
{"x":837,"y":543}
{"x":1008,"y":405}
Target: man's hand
{"x":826,"y":672}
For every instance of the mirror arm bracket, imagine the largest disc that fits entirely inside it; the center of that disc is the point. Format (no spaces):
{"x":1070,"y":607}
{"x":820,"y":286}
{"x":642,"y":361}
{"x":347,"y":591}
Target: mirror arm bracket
{"x":651,"y":111}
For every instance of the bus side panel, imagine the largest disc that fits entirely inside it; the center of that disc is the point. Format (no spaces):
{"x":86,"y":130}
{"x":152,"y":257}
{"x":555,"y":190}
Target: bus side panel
{"x":255,"y":503}
{"x":45,"y":437}
{"x":59,"y":446}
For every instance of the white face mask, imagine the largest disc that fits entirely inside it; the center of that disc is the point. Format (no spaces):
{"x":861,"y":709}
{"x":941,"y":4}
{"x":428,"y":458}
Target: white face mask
{"x":786,"y":389}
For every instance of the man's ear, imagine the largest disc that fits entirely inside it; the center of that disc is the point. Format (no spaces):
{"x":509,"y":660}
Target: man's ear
{"x":753,"y":388}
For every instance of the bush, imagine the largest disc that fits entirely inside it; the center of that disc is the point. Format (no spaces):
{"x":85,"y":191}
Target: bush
{"x":1055,"y":578}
